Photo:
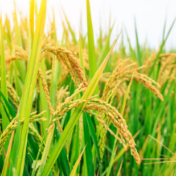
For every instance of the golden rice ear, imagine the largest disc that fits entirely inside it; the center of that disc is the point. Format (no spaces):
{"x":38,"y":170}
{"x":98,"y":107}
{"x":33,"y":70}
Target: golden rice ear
{"x":67,"y":59}
{"x":111,"y":115}
{"x":147,"y":82}
{"x":75,"y":116}
{"x":122,"y":73}
{"x":13,"y":125}
{"x":45,"y":88}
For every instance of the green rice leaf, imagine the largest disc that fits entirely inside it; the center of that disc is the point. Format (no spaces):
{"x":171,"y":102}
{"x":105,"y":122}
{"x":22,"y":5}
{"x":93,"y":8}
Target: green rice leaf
{"x":87,"y":142}
{"x":7,"y":159}
{"x":138,"y":46}
{"x":73,"y":172}
{"x":5,"y":120}
{"x":31,"y":18}
{"x":30,"y":81}
{"x":161,"y":47}
{"x":91,"y":46}
{"x":8,"y":105}
{"x":70,"y":29}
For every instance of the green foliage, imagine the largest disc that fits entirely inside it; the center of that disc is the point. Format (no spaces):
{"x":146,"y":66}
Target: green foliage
{"x":53,"y":123}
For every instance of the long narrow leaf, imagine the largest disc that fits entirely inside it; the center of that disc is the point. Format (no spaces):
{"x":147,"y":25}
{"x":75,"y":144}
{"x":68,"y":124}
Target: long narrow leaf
{"x":6,"y":163}
{"x":73,"y":172}
{"x":91,"y":47}
{"x":5,"y":120}
{"x":30,"y":81}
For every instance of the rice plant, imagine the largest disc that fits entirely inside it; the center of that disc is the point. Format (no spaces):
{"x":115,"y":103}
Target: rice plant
{"x":80,"y":107}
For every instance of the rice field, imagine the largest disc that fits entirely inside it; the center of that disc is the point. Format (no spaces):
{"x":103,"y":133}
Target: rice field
{"x":81,"y":107}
